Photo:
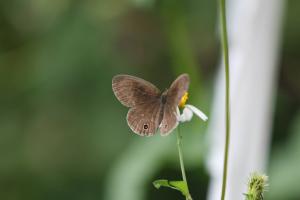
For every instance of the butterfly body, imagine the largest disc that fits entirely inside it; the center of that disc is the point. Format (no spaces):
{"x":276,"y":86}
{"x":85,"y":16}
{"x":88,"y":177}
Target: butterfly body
{"x":163,"y":97}
{"x":149,"y":108}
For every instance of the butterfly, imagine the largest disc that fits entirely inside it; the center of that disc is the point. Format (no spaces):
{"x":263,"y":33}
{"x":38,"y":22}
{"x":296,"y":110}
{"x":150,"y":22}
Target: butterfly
{"x":150,"y":109}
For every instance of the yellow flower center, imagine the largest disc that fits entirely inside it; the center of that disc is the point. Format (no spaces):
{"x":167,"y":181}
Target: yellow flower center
{"x":183,"y":100}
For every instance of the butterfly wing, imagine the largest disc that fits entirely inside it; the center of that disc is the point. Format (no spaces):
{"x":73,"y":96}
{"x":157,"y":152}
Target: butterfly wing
{"x":173,"y":97}
{"x":178,"y":88}
{"x":169,"y":121}
{"x":132,"y":91}
{"x":143,"y":98}
{"x":144,"y":119}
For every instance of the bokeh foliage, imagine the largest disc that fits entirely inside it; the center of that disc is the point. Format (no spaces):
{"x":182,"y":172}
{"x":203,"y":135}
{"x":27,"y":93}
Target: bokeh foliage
{"x":63,"y":135}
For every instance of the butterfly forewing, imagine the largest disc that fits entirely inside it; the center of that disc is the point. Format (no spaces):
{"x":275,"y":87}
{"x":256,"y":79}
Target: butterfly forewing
{"x":178,"y":88}
{"x":132,"y":91}
{"x":173,"y":97}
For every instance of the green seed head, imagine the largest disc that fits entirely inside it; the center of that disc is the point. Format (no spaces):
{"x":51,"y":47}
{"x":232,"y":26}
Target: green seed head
{"x":257,"y":185}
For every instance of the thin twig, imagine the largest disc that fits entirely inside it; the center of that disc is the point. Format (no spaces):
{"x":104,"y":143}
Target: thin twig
{"x":188,"y":197}
{"x":227,"y":105}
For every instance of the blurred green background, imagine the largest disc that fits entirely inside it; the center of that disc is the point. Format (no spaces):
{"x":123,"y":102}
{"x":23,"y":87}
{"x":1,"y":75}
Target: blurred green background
{"x":63,"y":134}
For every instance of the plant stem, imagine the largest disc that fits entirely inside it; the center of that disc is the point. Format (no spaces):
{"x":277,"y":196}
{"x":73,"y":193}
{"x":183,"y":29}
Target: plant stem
{"x":188,"y":197}
{"x":226,"y":60}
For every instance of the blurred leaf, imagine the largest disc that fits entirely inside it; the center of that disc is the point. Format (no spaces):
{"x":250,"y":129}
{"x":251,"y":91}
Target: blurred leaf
{"x":143,"y":3}
{"x":284,"y":167}
{"x":146,"y":156}
{"x":177,"y":185}
{"x":137,"y":165}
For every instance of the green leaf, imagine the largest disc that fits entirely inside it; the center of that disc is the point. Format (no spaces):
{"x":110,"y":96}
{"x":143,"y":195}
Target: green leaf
{"x":176,"y":185}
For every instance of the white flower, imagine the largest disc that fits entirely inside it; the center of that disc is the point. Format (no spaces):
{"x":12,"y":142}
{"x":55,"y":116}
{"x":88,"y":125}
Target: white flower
{"x":188,"y":112}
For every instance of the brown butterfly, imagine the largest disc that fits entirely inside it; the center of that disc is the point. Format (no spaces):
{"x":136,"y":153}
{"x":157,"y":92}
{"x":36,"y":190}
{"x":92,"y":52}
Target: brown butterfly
{"x":150,"y":109}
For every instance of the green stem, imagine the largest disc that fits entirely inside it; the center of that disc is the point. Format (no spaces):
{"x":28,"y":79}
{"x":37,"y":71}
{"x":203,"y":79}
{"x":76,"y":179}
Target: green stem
{"x":188,"y":197}
{"x":226,"y":60}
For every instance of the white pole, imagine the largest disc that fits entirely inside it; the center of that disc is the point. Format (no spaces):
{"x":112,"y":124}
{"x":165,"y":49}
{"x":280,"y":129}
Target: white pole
{"x":254,"y":32}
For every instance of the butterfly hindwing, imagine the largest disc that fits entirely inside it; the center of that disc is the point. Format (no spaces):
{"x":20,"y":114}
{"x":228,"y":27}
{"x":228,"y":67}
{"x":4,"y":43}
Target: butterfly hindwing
{"x":169,"y":121}
{"x":144,"y":119}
